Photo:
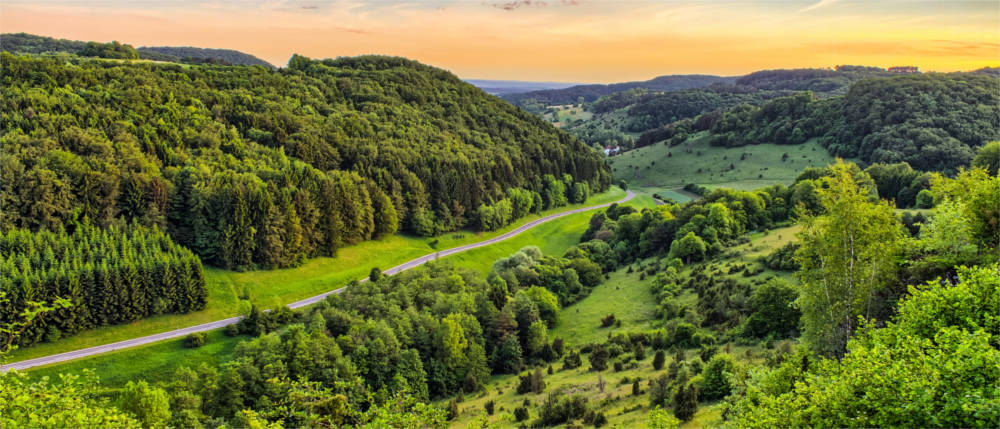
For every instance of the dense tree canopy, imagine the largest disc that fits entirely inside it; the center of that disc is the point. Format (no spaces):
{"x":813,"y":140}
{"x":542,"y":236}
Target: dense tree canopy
{"x":936,"y":364}
{"x":110,"y":276}
{"x":934,"y":122}
{"x":256,"y":168}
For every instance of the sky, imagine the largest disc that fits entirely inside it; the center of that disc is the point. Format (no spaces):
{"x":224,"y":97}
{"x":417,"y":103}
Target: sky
{"x":596,"y":41}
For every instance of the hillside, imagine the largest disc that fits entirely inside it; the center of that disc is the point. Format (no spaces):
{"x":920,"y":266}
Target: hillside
{"x":659,"y":168}
{"x":189,"y":54}
{"x":934,"y":122}
{"x":312,"y":157}
{"x":628,"y":117}
{"x":508,"y":87}
{"x":594,"y":91}
{"x":32,"y":44}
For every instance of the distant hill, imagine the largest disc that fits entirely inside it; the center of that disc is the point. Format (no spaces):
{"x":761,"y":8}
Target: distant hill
{"x":203,"y":55}
{"x":593,"y":92}
{"x":33,"y":44}
{"x":508,"y":87}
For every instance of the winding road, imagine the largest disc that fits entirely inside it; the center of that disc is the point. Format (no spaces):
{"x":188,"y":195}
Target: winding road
{"x":96,"y":350}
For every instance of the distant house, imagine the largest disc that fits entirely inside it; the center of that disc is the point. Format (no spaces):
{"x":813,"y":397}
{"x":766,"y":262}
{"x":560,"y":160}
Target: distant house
{"x":611,"y":150}
{"x":904,"y":69}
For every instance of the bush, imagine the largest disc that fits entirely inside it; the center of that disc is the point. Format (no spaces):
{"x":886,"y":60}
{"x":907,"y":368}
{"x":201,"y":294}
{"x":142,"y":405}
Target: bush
{"x":599,"y":358}
{"x":685,"y":402}
{"x":715,"y":382}
{"x":194,"y":340}
{"x":231,"y":330}
{"x":572,"y":360}
{"x":489,"y":406}
{"x":521,"y":414}
{"x":658,"y":360}
{"x":608,"y":321}
{"x":925,"y":199}
{"x":558,"y":409}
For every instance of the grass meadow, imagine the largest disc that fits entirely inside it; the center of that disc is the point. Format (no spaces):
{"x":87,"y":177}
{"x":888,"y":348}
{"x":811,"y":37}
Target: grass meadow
{"x":658,"y":167}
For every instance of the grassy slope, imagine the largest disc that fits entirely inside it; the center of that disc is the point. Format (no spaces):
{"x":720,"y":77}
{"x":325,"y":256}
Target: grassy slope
{"x":165,"y":357}
{"x":631,"y":301}
{"x":278,"y":287}
{"x":658,"y":172}
{"x":567,"y":111}
{"x":155,"y":362}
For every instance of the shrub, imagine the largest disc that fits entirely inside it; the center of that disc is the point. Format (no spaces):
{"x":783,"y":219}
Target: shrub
{"x":599,"y":358}
{"x":715,"y":382}
{"x":194,"y":340}
{"x":521,"y":414}
{"x":572,"y":360}
{"x":489,"y":406}
{"x":658,"y":360}
{"x":608,"y":321}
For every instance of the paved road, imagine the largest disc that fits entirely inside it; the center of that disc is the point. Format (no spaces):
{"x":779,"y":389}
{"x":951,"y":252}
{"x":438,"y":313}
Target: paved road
{"x":76,"y":354}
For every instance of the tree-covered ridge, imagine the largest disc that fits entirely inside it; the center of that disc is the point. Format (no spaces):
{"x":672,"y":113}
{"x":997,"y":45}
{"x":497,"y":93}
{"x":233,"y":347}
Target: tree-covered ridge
{"x":188,"y":54}
{"x":592,"y":92}
{"x":647,"y":108}
{"x":31,"y":44}
{"x":934,"y":122}
{"x":820,"y":81}
{"x":109,"y":276}
{"x":373,"y":145}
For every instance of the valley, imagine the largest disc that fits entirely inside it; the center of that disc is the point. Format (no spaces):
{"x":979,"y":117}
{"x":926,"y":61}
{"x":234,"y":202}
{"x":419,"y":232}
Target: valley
{"x":196,"y":238}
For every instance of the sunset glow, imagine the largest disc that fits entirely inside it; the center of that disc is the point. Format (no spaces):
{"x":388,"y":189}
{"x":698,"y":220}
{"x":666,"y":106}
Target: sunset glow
{"x":572,"y":41}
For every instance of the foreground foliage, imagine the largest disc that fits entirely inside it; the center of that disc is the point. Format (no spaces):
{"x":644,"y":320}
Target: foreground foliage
{"x":935,"y":364}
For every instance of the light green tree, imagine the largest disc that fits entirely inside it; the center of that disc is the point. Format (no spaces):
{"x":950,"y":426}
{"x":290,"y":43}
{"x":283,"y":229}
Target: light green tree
{"x":847,"y":254}
{"x":149,"y":404}
{"x":662,"y":419}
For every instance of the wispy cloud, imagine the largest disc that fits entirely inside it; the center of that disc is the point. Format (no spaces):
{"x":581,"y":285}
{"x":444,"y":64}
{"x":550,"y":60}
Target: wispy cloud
{"x":818,"y":5}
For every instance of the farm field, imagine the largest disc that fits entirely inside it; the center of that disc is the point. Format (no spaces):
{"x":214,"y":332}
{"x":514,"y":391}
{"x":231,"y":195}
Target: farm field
{"x":231,"y":292}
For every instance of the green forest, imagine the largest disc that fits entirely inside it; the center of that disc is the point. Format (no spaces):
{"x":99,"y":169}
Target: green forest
{"x":257,"y":168}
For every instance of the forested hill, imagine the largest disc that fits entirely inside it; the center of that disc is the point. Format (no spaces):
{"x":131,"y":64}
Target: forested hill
{"x":593,"y":92}
{"x":934,"y":122}
{"x":252,"y":167}
{"x":191,"y":54}
{"x":32,"y":44}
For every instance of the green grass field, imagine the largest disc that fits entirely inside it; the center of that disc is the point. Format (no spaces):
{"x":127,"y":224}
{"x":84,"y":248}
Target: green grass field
{"x":562,"y":113}
{"x":273,"y":288}
{"x":659,"y":167}
{"x":623,"y":295}
{"x":155,"y":362}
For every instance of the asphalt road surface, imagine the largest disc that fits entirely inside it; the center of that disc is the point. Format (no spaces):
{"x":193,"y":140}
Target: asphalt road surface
{"x":96,"y":350}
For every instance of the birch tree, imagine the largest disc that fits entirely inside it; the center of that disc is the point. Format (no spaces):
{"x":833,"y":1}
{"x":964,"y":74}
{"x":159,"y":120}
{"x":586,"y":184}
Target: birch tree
{"x":848,"y":253}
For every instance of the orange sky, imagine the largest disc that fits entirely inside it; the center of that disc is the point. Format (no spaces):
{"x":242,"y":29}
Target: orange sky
{"x":551,"y":40}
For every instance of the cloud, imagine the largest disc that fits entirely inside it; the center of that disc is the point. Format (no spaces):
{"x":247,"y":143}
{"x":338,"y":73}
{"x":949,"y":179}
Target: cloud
{"x":929,"y":48}
{"x":820,"y":4}
{"x":511,"y":6}
{"x":517,"y":4}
